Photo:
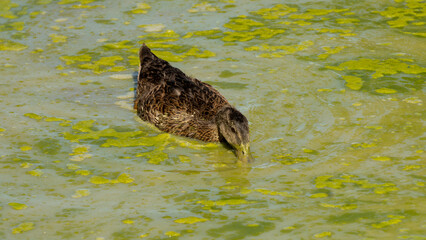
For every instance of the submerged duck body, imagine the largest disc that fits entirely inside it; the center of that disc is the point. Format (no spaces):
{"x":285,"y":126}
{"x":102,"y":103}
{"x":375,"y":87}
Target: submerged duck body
{"x":185,"y":106}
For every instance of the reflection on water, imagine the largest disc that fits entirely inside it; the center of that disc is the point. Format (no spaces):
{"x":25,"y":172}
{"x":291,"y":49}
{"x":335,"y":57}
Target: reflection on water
{"x":334,"y":93}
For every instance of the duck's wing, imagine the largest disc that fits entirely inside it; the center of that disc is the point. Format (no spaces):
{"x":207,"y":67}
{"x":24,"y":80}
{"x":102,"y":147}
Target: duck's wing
{"x":169,"y":91}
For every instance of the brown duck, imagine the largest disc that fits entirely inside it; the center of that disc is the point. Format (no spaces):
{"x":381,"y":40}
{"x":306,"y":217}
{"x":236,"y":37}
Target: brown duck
{"x":185,"y":106}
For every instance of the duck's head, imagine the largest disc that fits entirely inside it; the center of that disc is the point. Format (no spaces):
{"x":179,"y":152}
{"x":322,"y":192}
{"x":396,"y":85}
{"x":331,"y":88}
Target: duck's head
{"x":233,"y":128}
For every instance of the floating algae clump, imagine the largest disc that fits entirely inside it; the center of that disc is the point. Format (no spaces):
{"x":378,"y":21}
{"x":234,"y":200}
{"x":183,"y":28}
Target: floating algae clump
{"x":380,"y":67}
{"x":122,"y":178}
{"x":7,"y":45}
{"x":352,"y":82}
{"x":328,"y":181}
{"x":275,"y":12}
{"x":190,"y":220}
{"x":23,"y":227}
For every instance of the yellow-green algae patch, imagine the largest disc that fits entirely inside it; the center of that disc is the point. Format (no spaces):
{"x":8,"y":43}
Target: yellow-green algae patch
{"x":36,"y":172}
{"x":18,"y":26}
{"x":7,"y":45}
{"x":57,"y":38}
{"x":81,"y":193}
{"x":268,"y":192}
{"x":329,"y":51}
{"x":211,"y":203}
{"x":141,"y":8}
{"x":242,"y":24}
{"x":323,"y":234}
{"x":156,"y":156}
{"x":125,"y":141}
{"x":275,"y":12}
{"x":352,"y":82}
{"x":33,"y":116}
{"x":79,"y":149}
{"x":312,"y":13}
{"x":328,"y":181}
{"x":190,"y":220}
{"x":88,"y":133}
{"x":73,"y":59}
{"x":83,"y":172}
{"x":5,"y":7}
{"x":243,"y":36}
{"x":385,"y":90}
{"x":381,"y":158}
{"x":128,"y":221}
{"x":380,"y":67}
{"x":280,"y":51}
{"x":340,"y":206}
{"x":104,"y":64}
{"x":122,"y":178}
{"x":172,"y":234}
{"x":26,"y":148}
{"x":393,"y":219}
{"x":119,"y":45}
{"x":413,"y":14}
{"x":319,"y":195}
{"x":23,"y":227}
{"x":412,"y":167}
{"x":203,"y":7}
{"x":17,"y":206}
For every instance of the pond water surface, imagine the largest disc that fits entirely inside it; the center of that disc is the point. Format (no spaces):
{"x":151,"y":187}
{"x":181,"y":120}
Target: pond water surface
{"x":333,"y":90}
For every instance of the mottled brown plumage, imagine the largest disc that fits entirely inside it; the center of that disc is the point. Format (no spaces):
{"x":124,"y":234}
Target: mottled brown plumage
{"x":181,"y":105}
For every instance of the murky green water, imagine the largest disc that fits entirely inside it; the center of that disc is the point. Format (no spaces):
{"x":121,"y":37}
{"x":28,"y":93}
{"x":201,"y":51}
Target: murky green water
{"x":334,"y":91}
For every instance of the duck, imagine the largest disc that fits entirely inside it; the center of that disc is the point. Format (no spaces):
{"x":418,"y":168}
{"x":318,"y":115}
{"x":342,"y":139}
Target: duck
{"x":185,"y":106}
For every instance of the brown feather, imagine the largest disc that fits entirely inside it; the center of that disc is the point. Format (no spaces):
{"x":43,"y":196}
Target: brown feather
{"x":175,"y":102}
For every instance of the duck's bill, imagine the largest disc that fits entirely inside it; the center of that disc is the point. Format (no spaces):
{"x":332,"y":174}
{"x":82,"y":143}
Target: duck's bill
{"x":244,"y":154}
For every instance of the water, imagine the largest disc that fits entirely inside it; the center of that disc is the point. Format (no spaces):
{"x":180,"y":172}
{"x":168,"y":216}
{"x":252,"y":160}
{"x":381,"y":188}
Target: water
{"x":333,"y":90}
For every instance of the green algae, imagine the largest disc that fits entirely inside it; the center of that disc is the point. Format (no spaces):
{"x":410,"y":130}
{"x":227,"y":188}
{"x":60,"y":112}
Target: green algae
{"x":7,"y":45}
{"x":380,"y":67}
{"x":57,"y":38}
{"x":17,"y":206}
{"x":275,"y":12}
{"x":122,"y":178}
{"x":104,"y":64}
{"x":353,"y":82}
{"x":5,"y":9}
{"x":190,"y":220}
{"x":328,"y":181}
{"x":330,"y":51}
{"x":280,"y":51}
{"x":18,"y":26}
{"x":242,"y":24}
{"x":259,"y":33}
{"x":393,"y":219}
{"x":78,"y":58}
{"x":141,"y":8}
{"x":203,"y":7}
{"x":23,"y":227}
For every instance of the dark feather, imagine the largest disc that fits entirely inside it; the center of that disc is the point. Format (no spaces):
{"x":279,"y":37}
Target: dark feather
{"x":175,"y":102}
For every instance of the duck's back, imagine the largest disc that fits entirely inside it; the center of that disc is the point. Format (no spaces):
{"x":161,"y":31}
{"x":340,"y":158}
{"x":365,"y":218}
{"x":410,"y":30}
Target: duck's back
{"x":174,"y":102}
